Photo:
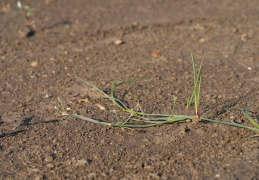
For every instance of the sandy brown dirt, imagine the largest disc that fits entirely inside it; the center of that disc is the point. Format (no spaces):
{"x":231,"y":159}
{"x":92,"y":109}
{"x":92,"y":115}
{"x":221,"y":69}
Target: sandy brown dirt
{"x":76,"y":38}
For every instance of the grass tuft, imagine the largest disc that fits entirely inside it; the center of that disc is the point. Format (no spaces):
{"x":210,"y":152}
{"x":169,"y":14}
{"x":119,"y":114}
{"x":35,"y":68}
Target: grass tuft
{"x":140,"y":119}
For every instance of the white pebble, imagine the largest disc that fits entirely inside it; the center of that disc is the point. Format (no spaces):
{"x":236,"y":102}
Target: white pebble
{"x":118,"y":42}
{"x":34,"y":64}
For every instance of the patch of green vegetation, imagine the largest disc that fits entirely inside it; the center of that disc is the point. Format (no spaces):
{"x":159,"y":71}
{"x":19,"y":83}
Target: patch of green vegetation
{"x":140,"y":119}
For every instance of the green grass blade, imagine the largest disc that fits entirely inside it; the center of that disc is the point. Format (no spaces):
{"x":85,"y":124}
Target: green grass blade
{"x":194,"y":70}
{"x":115,"y":125}
{"x":247,"y":115}
{"x":131,"y":80}
{"x":197,"y":87}
{"x":121,"y":104}
{"x":189,"y":100}
{"x":128,"y":125}
{"x":90,"y":120}
{"x":99,"y":90}
{"x":114,"y":86}
{"x":231,"y":124}
{"x":197,"y":97}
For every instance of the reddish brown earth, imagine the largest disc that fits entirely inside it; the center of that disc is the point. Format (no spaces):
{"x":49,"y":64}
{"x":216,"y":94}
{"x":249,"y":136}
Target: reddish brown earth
{"x":76,"y":38}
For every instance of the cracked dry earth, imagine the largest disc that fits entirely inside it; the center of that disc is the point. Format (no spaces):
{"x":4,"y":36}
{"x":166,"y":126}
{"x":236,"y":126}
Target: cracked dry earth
{"x":76,"y":38}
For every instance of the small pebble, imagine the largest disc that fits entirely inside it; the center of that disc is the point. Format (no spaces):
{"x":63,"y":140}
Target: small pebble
{"x":91,"y":175}
{"x":51,"y":166}
{"x":35,"y":64}
{"x":217,"y":175}
{"x":38,"y":178}
{"x":135,"y":24}
{"x":156,"y":54}
{"x":81,"y":162}
{"x":34,"y":170}
{"x":48,"y":1}
{"x":100,"y":107}
{"x":118,"y":42}
{"x":49,"y":159}
{"x":47,"y":96}
{"x":244,"y":37}
{"x":202,"y":40}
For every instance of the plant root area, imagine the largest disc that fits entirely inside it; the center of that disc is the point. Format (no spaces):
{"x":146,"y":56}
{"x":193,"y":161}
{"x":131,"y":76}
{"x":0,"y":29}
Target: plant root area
{"x":102,"y":41}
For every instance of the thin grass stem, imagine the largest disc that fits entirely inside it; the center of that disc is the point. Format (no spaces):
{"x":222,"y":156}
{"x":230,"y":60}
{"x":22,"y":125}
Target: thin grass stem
{"x":231,"y":124}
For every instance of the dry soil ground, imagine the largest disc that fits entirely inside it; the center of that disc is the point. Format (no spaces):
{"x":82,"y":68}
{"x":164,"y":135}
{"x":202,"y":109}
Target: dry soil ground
{"x":76,"y":38}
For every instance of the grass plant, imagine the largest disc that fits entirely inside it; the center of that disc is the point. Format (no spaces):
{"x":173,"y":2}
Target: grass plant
{"x":26,"y":11}
{"x":140,"y":119}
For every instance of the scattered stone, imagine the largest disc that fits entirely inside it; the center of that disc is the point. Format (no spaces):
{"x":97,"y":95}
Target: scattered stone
{"x":154,"y":175}
{"x":91,"y":176}
{"x":202,"y":40}
{"x":135,"y":24}
{"x":159,"y":134}
{"x":244,"y":37}
{"x":72,"y":34}
{"x":38,"y":178}
{"x":6,"y":8}
{"x":48,"y":1}
{"x":118,"y":42}
{"x":163,"y":162}
{"x":21,"y":33}
{"x":183,"y":130}
{"x":100,"y":107}
{"x":34,"y":170}
{"x":217,"y":175}
{"x":199,"y":27}
{"x":69,"y":162}
{"x":48,"y":96}
{"x":102,"y":141}
{"x":124,"y":178}
{"x":76,"y":97}
{"x":84,"y":100}
{"x":35,"y":64}
{"x":81,"y":162}
{"x":50,"y":166}
{"x":249,"y":68}
{"x":49,"y":159}
{"x":156,"y":54}
{"x":54,"y":141}
{"x":235,"y":30}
